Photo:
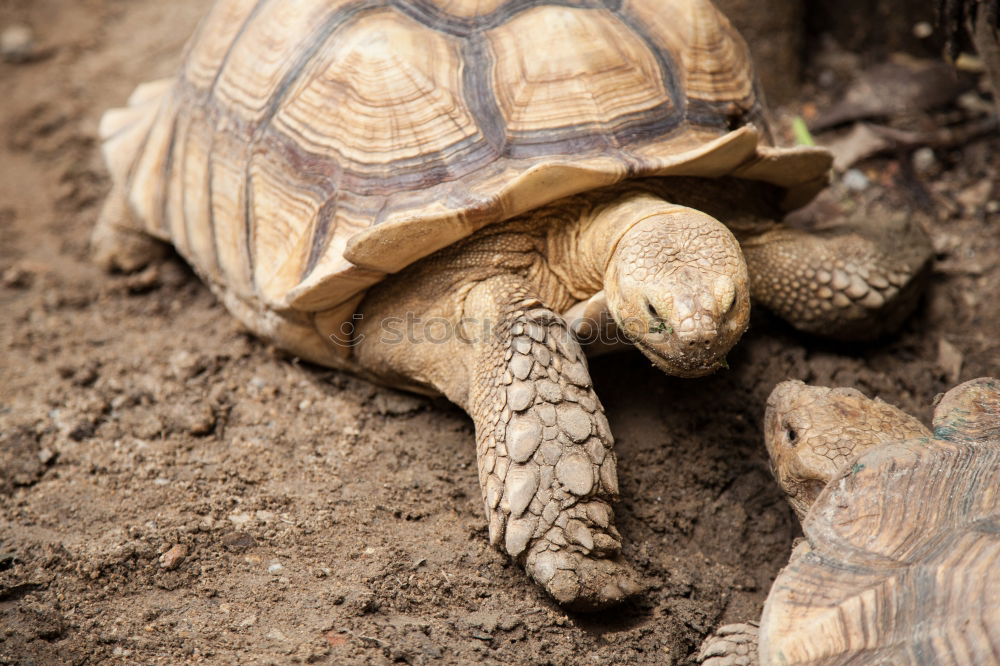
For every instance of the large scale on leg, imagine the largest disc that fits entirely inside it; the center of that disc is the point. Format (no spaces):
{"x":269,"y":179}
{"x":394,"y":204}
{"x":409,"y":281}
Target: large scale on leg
{"x":321,"y":161}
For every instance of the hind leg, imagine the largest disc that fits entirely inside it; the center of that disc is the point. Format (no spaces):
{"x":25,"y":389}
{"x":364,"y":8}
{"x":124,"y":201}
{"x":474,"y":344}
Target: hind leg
{"x":118,"y":241}
{"x":848,"y":284}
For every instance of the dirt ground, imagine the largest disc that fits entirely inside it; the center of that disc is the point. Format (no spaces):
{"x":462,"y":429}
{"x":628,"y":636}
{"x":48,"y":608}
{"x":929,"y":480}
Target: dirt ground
{"x":327,"y":520}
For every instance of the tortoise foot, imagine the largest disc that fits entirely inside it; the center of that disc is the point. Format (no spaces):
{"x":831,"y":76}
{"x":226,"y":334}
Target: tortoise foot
{"x":117,"y":243}
{"x":581,"y":581}
{"x":731,"y":645}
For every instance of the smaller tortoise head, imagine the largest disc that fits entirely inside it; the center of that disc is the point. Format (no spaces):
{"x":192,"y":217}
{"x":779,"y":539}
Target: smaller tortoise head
{"x":813,"y":434}
{"x":677,"y":286}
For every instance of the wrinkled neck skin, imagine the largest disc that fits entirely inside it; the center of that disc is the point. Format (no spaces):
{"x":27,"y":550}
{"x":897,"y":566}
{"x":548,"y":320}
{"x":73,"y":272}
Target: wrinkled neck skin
{"x":815,"y":434}
{"x":674,"y":278}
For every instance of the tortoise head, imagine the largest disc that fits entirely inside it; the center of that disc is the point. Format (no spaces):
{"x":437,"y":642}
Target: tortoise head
{"x":813,"y":434}
{"x":677,"y":285}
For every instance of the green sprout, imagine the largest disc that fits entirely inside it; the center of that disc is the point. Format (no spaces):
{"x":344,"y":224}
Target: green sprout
{"x":724,"y":364}
{"x":802,"y":135}
{"x":856,"y":467}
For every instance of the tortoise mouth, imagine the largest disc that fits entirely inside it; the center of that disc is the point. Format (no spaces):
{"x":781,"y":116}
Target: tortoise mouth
{"x":683,"y":366}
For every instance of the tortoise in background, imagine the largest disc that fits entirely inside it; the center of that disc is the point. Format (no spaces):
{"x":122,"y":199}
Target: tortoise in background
{"x":902,"y":533}
{"x":417,"y":191}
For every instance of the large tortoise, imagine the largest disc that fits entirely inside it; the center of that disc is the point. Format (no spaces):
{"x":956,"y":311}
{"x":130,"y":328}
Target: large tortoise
{"x":415,"y":191}
{"x":902,"y":533}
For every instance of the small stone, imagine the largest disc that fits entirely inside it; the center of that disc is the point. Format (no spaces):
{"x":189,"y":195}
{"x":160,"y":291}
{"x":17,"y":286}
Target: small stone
{"x":924,"y":160}
{"x":239,"y":518}
{"x":238,"y":541}
{"x":922,"y":30}
{"x":17,"y":43}
{"x":575,"y":473}
{"x":522,"y":482}
{"x":172,"y":559}
{"x":855,"y":181}
{"x":275,"y":568}
{"x":523,"y":437}
{"x":276,"y":635}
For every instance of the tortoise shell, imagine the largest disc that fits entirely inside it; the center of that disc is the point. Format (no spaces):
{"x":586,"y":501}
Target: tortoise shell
{"x":307,"y":149}
{"x":902,"y":551}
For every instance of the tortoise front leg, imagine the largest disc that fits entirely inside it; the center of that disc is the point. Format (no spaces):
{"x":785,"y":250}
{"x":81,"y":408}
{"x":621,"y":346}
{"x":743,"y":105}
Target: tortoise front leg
{"x":546,"y":464}
{"x":846,"y":283}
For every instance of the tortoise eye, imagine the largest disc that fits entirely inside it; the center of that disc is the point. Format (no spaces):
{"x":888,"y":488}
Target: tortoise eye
{"x":791,"y":435}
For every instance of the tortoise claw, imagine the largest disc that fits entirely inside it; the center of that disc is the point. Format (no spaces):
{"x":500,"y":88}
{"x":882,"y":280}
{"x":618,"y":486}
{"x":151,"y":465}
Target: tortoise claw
{"x":731,"y":645}
{"x":582,"y":582}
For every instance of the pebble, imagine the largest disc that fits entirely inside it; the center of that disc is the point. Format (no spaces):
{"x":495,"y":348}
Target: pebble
{"x":172,"y":559}
{"x":17,"y":43}
{"x":238,"y":541}
{"x":924,"y":160}
{"x":275,"y":568}
{"x":855,"y":181}
{"x":922,"y":30}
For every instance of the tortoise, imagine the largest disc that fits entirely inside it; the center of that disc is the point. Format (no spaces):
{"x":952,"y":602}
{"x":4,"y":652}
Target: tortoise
{"x":419,"y":191}
{"x":902,"y":532}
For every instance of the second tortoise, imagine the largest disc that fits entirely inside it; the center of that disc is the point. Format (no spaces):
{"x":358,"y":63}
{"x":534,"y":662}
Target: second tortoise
{"x":902,"y":533}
